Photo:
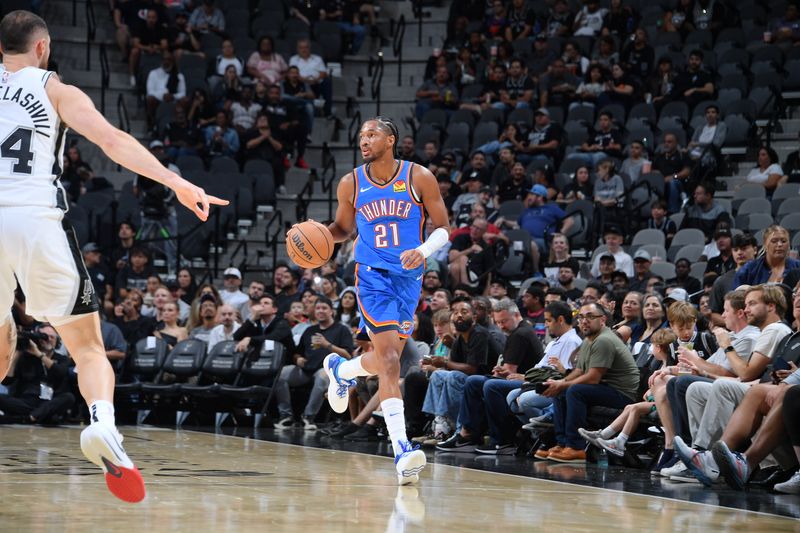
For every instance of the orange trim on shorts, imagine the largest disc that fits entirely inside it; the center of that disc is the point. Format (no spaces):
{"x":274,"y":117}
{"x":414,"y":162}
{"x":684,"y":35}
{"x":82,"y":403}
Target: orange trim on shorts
{"x":364,"y":311}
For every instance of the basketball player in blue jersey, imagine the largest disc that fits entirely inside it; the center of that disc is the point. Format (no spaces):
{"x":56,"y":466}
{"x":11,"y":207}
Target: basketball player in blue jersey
{"x":38,"y":247}
{"x":386,"y":201}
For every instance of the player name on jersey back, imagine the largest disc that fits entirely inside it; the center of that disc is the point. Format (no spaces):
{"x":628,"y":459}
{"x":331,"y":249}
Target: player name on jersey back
{"x":31,"y":141}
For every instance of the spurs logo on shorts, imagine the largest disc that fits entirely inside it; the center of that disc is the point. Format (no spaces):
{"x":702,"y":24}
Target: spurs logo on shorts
{"x":88,"y":290}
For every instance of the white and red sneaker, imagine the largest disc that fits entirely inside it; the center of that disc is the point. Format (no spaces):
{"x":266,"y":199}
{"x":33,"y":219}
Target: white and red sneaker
{"x":102,"y":445}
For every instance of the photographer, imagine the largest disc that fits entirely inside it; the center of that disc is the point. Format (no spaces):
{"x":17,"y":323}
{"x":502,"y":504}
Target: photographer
{"x":37,"y":379}
{"x":159,"y":219}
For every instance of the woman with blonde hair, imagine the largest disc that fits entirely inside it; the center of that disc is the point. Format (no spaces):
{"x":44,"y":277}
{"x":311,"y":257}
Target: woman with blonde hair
{"x":773,"y":264}
{"x":559,"y":257}
{"x":170,"y":331}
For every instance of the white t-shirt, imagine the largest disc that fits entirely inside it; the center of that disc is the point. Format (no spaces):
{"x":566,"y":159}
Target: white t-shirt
{"x":623,"y":260}
{"x":562,"y":347}
{"x":223,"y":62}
{"x":309,"y":68}
{"x":770,"y":337}
{"x":235,"y":299}
{"x":218,"y":334}
{"x":756,"y":176}
{"x":743,"y":342}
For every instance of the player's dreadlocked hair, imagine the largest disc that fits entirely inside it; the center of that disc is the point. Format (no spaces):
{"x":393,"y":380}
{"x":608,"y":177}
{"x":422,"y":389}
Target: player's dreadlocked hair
{"x":388,"y":126}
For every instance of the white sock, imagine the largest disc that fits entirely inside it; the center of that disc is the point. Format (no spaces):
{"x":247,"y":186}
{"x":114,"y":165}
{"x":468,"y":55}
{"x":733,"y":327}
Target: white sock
{"x":395,"y":419}
{"x":102,"y":411}
{"x":621,"y":439}
{"x":608,"y":432}
{"x":352,"y":369}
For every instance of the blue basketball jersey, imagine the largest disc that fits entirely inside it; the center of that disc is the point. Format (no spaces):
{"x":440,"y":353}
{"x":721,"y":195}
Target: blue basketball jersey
{"x":389,"y":220}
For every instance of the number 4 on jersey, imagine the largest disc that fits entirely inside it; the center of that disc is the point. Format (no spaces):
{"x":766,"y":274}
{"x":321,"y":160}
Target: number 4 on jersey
{"x":18,"y":146}
{"x":381,"y":232}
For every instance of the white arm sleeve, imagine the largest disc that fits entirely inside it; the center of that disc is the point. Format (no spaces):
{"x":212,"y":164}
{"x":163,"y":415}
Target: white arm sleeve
{"x":435,"y":240}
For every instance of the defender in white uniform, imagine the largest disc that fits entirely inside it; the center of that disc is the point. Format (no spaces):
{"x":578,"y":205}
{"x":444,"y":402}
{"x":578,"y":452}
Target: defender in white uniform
{"x":38,"y":247}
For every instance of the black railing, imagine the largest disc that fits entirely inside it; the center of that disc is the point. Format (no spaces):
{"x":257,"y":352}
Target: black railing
{"x":352,"y":134}
{"x":304,"y":197}
{"x":778,"y":107}
{"x":328,"y":176}
{"x":124,"y":118}
{"x":91,"y":31}
{"x":377,"y":81}
{"x":272,"y":240}
{"x":418,"y":13}
{"x":241,"y":247}
{"x":105,"y":75}
{"x":397,"y":47}
{"x":181,"y":238}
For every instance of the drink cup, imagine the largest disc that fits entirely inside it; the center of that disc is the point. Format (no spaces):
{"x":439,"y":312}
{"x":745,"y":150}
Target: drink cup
{"x":767,"y":36}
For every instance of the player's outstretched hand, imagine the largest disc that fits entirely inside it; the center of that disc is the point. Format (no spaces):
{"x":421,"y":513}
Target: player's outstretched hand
{"x":411,"y":259}
{"x":196,"y":199}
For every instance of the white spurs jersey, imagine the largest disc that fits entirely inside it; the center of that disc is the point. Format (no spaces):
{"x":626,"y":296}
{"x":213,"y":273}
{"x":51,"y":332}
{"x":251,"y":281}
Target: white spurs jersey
{"x":31,"y":141}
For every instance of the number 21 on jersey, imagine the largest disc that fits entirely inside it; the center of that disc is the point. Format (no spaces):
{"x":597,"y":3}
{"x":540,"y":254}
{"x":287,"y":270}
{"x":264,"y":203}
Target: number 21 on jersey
{"x":382,"y":236}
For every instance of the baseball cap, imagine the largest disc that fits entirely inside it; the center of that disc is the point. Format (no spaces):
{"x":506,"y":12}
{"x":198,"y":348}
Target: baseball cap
{"x":90,"y":247}
{"x":485,"y":189}
{"x":541,"y":37}
{"x":642,"y":255}
{"x":722,"y":232}
{"x":232,"y":271}
{"x":613,"y":229}
{"x":156,"y":144}
{"x":542,"y":111}
{"x":208,"y":298}
{"x":677,"y":295}
{"x":539,"y":189}
{"x":607,"y":255}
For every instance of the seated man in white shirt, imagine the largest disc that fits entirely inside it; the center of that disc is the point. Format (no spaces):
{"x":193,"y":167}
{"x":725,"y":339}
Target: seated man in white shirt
{"x":225,"y":329}
{"x":314,"y":72}
{"x":164,"y":84}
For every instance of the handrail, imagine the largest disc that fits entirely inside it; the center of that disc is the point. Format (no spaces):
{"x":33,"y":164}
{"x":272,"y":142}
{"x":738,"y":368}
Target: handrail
{"x":215,"y":214}
{"x":377,"y":81}
{"x":397,"y":47}
{"x":304,"y":196}
{"x":273,"y":241}
{"x":91,"y":31}
{"x":418,"y":14}
{"x":352,"y":134}
{"x":105,"y":76}
{"x":242,"y":246}
{"x":124,"y":118}
{"x":328,"y":176}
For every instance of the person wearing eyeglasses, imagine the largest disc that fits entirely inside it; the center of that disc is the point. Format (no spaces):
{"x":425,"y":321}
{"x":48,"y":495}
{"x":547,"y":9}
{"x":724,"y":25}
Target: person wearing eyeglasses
{"x":604,"y":375}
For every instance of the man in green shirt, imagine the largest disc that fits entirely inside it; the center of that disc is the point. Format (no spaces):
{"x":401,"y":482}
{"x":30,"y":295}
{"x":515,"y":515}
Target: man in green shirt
{"x":605,"y":375}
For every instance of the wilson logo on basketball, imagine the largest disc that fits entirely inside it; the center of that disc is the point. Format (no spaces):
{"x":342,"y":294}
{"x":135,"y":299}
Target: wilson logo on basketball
{"x":301,"y":247}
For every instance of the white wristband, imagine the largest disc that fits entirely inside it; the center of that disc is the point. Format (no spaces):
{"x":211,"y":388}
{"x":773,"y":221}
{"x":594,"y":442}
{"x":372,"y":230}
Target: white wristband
{"x":435,"y":240}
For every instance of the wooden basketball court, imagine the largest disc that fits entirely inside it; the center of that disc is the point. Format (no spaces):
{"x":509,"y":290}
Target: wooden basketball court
{"x":206,"y":482}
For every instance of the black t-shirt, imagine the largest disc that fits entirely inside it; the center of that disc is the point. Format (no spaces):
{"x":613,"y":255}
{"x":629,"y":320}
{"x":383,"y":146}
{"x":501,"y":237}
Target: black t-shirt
{"x":128,"y":279}
{"x":480,"y":262}
{"x":606,"y":138}
{"x":100,"y":278}
{"x":264,"y":150}
{"x":517,"y":20}
{"x":136,"y":330}
{"x":719,"y":265}
{"x":516,"y":87}
{"x":292,"y":90}
{"x":640,"y":62}
{"x":338,"y":334}
{"x":690,"y":284}
{"x":586,"y":190}
{"x":669,"y":164}
{"x":188,"y":135}
{"x":149,"y":36}
{"x":474,"y":351}
{"x":285,"y":301}
{"x":551,"y":132}
{"x":523,"y":348}
{"x":508,"y":190}
{"x":792,"y":167}
{"x":690,"y":80}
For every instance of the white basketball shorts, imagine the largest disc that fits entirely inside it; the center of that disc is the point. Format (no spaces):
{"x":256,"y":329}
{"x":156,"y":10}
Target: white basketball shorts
{"x":39,"y":249}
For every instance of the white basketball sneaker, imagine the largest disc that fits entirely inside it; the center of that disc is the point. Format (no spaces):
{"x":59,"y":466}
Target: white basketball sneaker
{"x":337,"y":388}
{"x":409,"y":463}
{"x":102,"y":445}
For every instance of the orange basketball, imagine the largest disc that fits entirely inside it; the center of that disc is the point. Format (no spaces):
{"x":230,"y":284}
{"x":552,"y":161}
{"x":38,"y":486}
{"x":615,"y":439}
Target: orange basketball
{"x":309,"y":244}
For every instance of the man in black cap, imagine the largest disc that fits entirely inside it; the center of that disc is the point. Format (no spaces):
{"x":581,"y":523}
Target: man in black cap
{"x":543,"y":140}
{"x":724,"y":261}
{"x":533,"y":308}
{"x":607,"y":265}
{"x":614,"y":238}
